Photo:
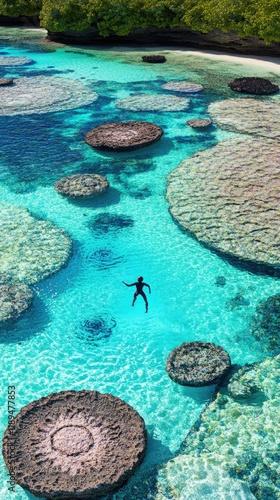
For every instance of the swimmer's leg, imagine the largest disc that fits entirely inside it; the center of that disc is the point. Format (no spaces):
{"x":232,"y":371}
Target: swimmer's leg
{"x":134,"y":298}
{"x":145,"y":299}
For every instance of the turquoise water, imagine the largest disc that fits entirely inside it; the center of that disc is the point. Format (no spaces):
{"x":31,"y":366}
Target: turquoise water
{"x":51,"y":347}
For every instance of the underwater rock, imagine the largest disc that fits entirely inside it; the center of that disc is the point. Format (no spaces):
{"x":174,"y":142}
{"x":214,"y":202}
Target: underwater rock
{"x":74,"y":444}
{"x":15,"y":299}
{"x":199,"y":123}
{"x":154,"y":59}
{"x":82,"y":185}
{"x":198,"y":478}
{"x":153,"y":102}
{"x":228,"y":198}
{"x":239,"y":430}
{"x":44,"y":94}
{"x":6,"y":81}
{"x":106,"y":222}
{"x":265,"y":325}
{"x":237,"y":302}
{"x":248,"y":116}
{"x":14,"y":61}
{"x":104,"y":259}
{"x":220,"y":281}
{"x":183,"y":86}
{"x":123,"y":136}
{"x":253,"y":85}
{"x":31,"y":249}
{"x":197,"y":364}
{"x":97,"y":329}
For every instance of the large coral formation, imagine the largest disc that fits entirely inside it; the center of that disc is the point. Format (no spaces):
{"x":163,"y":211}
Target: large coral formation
{"x":253,"y":85}
{"x":31,"y":249}
{"x":44,"y":94}
{"x":74,"y":444}
{"x":14,"y":61}
{"x":153,"y":102}
{"x":82,"y":185}
{"x":123,"y":136}
{"x":183,"y":86}
{"x":238,"y":434}
{"x":248,"y":116}
{"x":228,"y":197}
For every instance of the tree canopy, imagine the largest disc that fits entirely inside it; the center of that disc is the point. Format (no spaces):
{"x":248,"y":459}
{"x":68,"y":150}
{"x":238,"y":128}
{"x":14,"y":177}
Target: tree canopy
{"x":260,"y":18}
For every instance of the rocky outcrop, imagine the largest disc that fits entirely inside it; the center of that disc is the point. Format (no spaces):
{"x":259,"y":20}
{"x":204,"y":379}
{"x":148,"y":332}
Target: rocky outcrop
{"x":6,"y":81}
{"x":265,"y":324}
{"x":153,"y":102}
{"x":42,"y":94}
{"x":228,"y":198}
{"x":197,"y":364}
{"x":74,"y":444}
{"x":183,"y":86}
{"x":253,"y":85}
{"x":184,"y":37}
{"x":123,"y":136}
{"x":154,"y":59}
{"x":199,"y":123}
{"x":82,"y":185}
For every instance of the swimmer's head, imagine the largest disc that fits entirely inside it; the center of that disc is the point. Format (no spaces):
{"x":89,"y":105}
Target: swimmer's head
{"x":140,"y":278}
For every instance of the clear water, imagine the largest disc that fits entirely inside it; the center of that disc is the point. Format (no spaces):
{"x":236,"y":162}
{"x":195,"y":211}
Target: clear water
{"x":51,"y":347}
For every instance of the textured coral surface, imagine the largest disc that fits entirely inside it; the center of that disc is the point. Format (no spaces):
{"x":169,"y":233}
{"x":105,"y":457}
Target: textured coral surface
{"x":228,"y":197}
{"x":82,"y":185}
{"x":153,"y":102}
{"x":75,"y":444}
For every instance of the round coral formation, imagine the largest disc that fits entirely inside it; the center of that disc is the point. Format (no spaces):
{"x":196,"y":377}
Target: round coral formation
{"x":44,"y":94}
{"x":248,"y":116}
{"x":197,"y":364}
{"x":31,"y":249}
{"x":154,"y":59}
{"x":6,"y":81}
{"x":227,"y":197}
{"x":253,"y":85}
{"x":15,"y":298}
{"x":82,"y":185}
{"x":123,"y":136}
{"x":183,"y":86}
{"x":153,"y":102}
{"x":199,"y":123}
{"x":14,"y":61}
{"x":74,"y":445}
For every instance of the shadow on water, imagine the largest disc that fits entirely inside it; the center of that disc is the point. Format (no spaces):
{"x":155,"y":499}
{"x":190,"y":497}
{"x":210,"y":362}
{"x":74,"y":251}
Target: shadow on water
{"x":28,"y":325}
{"x":110,"y":197}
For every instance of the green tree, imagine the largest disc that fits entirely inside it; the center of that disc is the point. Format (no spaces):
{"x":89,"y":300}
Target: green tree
{"x":15,"y":8}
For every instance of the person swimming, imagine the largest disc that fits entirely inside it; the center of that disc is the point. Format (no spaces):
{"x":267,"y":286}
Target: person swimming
{"x":139,"y":290}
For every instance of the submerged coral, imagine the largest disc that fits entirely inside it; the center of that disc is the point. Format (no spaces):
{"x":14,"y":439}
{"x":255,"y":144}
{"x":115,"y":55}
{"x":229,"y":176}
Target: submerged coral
{"x":265,"y":325}
{"x":14,"y":61}
{"x":15,"y":298}
{"x":153,"y":102}
{"x":82,"y":185}
{"x":248,"y":116}
{"x":44,"y":94}
{"x":228,"y":198}
{"x":239,"y":431}
{"x":31,"y":249}
{"x":183,"y":86}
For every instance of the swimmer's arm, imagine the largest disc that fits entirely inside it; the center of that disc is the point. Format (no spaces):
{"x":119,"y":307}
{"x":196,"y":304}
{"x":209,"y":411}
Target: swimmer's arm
{"x":126,"y":284}
{"x":148,"y":287}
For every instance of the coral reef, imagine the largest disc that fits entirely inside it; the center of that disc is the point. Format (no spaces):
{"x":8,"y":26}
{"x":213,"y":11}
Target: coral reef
{"x":248,"y":116}
{"x":153,"y":102}
{"x":14,"y":61}
{"x":96,"y":329}
{"x":265,"y":325}
{"x":239,"y":431}
{"x":6,"y":81}
{"x":228,"y":198}
{"x":44,"y":94}
{"x":106,"y":222}
{"x":74,"y":444}
{"x":31,"y":249}
{"x":15,"y":298}
{"x":183,"y":86}
{"x":82,"y":185}
{"x":123,"y":136}
{"x":199,"y":123}
{"x":197,"y":364}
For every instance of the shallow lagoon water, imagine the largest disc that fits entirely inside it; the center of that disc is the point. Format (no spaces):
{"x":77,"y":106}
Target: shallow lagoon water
{"x":54,"y":346}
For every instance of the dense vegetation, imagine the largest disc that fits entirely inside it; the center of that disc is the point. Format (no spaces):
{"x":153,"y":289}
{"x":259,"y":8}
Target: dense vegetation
{"x":260,"y":18}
